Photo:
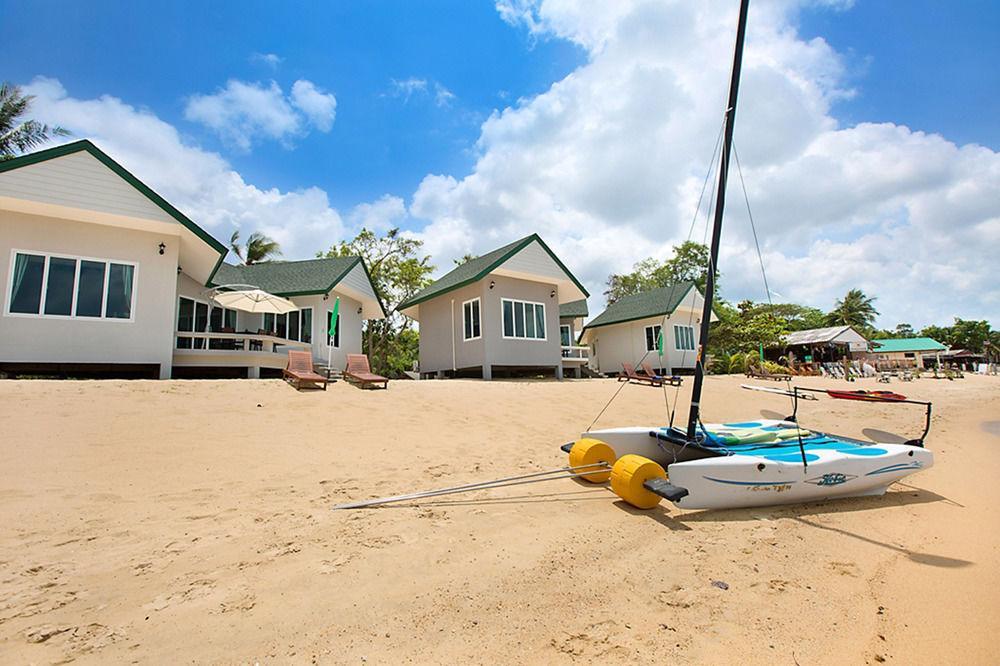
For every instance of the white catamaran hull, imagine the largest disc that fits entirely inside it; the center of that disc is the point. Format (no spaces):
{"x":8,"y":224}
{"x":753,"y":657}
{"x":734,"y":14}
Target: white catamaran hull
{"x":752,"y":480}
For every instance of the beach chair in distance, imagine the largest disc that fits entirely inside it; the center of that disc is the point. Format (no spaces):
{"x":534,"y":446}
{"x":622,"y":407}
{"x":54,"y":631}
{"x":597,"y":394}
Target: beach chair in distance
{"x":359,"y":371}
{"x":300,"y":371}
{"x":763,"y":374}
{"x":629,"y":374}
{"x":673,"y":380}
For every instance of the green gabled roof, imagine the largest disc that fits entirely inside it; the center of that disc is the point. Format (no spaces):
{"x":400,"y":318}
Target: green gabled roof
{"x":478,"y":268}
{"x":102,"y":157}
{"x":652,"y":303}
{"x":294,"y":278}
{"x":907,"y":345}
{"x":574,"y":309}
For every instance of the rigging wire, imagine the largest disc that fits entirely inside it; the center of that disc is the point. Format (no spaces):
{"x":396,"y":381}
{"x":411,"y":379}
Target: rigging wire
{"x":671,"y":409}
{"x":753,"y":227}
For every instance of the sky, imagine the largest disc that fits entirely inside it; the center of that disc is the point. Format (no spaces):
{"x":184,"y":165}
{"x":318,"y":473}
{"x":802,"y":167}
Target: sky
{"x":867,"y":131}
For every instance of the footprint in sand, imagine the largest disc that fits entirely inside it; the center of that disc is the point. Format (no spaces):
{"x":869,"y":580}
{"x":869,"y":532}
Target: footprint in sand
{"x":334,"y":565}
{"x":596,"y":640}
{"x":194,"y":590}
{"x":845,"y":568}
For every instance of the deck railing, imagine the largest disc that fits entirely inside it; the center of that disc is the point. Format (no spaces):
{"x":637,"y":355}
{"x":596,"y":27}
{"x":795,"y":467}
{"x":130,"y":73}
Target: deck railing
{"x":209,"y":341}
{"x":575,"y":353}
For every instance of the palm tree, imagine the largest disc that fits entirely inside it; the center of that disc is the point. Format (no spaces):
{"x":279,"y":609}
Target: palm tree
{"x":855,"y":309}
{"x":258,"y":248}
{"x":20,"y":136}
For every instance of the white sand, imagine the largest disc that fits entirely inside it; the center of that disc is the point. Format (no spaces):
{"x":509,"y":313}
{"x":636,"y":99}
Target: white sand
{"x":164,"y":522}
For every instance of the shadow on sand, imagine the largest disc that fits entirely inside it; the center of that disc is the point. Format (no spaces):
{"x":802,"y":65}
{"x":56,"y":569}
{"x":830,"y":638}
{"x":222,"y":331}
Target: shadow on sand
{"x":799,"y":513}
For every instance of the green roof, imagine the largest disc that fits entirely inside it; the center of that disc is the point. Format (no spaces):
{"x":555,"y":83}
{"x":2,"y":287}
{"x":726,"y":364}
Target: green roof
{"x":574,"y":309}
{"x":907,"y":345}
{"x":652,"y":303}
{"x":478,"y":268}
{"x":103,"y":158}
{"x":293,"y":278}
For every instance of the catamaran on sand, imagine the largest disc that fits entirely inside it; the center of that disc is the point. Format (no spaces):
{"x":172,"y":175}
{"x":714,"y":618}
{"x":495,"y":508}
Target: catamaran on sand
{"x":747,"y":463}
{"x":726,"y":465}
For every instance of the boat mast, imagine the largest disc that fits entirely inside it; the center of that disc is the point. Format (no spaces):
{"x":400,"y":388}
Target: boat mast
{"x":720,"y":204}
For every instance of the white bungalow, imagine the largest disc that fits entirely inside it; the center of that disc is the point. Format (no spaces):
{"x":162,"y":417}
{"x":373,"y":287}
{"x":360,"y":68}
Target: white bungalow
{"x":106,"y":277}
{"x":500,"y":313}
{"x":628,"y":330}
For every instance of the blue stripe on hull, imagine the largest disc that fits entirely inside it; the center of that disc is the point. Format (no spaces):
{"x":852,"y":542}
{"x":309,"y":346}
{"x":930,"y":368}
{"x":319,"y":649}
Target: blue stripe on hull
{"x":751,"y":483}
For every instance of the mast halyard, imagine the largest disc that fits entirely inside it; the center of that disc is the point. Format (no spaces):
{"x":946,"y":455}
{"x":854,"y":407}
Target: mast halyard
{"x":720,"y":203}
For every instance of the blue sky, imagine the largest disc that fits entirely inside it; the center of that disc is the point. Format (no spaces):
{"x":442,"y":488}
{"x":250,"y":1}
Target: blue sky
{"x":863,"y":125}
{"x":158,"y":54}
{"x":927,"y":64}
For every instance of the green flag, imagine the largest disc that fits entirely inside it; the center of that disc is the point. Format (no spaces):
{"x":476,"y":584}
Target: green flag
{"x":333,"y":318}
{"x":659,"y":344}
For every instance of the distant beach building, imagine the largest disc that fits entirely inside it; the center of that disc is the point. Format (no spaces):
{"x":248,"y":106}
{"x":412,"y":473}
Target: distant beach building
{"x":907,"y":352}
{"x":629,"y":329}
{"x":105,"y":277}
{"x":499,"y":313}
{"x":824,"y":345}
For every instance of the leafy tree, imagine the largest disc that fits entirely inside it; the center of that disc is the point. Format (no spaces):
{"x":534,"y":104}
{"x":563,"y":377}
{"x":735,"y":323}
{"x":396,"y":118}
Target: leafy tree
{"x":744,"y":329}
{"x":19,"y":136}
{"x":904,"y":331}
{"x":854,"y":309}
{"x":940,"y":333}
{"x":398,"y":271}
{"x":258,"y":248}
{"x":969,"y":334}
{"x":689,"y":263}
{"x":795,"y":317}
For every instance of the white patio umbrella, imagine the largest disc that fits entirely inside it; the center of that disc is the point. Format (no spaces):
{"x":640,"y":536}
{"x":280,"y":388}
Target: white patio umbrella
{"x":247,"y":298}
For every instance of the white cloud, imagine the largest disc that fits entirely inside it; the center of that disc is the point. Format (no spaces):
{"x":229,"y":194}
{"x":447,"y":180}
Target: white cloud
{"x":272,"y":60}
{"x":442,"y":96}
{"x":320,"y":107}
{"x":417,"y":87}
{"x":380,"y":215}
{"x":200,"y":183}
{"x":406,"y":88}
{"x":243,"y":112}
{"x":608,"y":162}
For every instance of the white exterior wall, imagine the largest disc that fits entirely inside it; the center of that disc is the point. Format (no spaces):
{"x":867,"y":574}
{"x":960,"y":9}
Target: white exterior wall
{"x":612,"y":345}
{"x":80,"y":181}
{"x":147,"y":338}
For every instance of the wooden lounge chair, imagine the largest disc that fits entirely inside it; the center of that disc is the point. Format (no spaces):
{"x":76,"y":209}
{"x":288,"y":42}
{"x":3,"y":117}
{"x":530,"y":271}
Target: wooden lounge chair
{"x":358,"y":370}
{"x":300,"y":370}
{"x":630,"y":374}
{"x":763,"y":374}
{"x":673,"y":380}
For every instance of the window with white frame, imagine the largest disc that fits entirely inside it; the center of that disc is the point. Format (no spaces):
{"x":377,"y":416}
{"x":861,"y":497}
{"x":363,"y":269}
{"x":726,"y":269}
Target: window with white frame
{"x":295,"y":325}
{"x":471,"y":325}
{"x":684,"y":338}
{"x":652,"y":337}
{"x":332,"y":340}
{"x":523,"y":320}
{"x":71,"y":287}
{"x":565,"y":335}
{"x":194,"y":316}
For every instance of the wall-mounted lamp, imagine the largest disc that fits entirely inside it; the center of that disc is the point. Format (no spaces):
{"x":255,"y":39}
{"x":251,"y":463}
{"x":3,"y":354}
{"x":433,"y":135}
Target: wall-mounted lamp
{"x":492,"y":284}
{"x":326,"y":297}
{"x":359,"y":309}
{"x":163,"y":248}
{"x":552,"y":294}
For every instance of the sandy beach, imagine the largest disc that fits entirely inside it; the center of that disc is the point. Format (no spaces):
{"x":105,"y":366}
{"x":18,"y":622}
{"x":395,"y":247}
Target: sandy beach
{"x":172,"y":521}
